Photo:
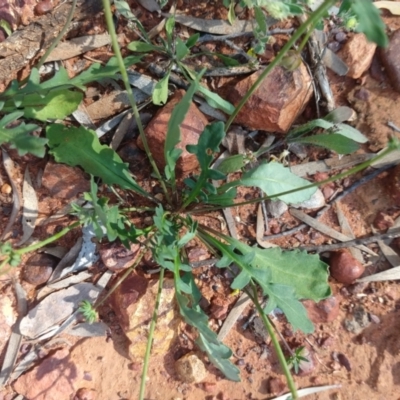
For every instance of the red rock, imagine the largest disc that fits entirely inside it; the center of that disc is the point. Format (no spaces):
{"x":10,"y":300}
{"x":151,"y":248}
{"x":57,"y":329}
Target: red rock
{"x":393,"y":186}
{"x":117,"y":257}
{"x":38,"y":268}
{"x":383,"y":221}
{"x":85,"y":394}
{"x":219,"y":307}
{"x":325,"y":311}
{"x":127,"y":294}
{"x":344,"y":267}
{"x":279,"y":100}
{"x":53,"y":379}
{"x":209,"y":387}
{"x":357,"y":53}
{"x":391,"y":59}
{"x":276,"y":386}
{"x":191,"y":128}
{"x":63,"y":181}
{"x":44,"y":7}
{"x":134,"y":303}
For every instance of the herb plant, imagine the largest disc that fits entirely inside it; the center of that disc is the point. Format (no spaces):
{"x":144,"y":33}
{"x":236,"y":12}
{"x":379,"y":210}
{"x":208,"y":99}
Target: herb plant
{"x":285,"y":277}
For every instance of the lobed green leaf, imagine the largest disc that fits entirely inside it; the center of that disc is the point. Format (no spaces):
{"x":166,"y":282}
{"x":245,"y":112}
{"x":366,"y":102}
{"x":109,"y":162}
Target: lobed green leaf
{"x":81,"y":146}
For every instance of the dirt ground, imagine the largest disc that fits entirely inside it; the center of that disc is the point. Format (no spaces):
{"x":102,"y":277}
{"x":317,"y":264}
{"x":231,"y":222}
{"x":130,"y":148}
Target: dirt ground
{"x":364,"y":362}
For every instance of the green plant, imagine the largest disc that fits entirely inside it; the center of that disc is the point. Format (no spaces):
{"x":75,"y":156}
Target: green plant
{"x":285,"y":277}
{"x":296,"y":358}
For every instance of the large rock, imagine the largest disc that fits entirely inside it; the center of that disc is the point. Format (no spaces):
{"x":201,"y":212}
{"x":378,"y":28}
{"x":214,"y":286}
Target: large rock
{"x":134,"y":302}
{"x":191,"y":128}
{"x":53,"y":379}
{"x":63,"y":181}
{"x":357,"y":53}
{"x":277,"y":102}
{"x":391,"y":59}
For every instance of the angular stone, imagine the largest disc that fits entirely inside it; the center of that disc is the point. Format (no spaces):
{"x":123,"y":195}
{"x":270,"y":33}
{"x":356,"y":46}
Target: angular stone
{"x":393,"y":187}
{"x":191,"y":128}
{"x":325,"y":311}
{"x":117,"y":257}
{"x":53,"y":379}
{"x":278,"y":101}
{"x":190,"y":368}
{"x":134,"y":304}
{"x":38,"y":268}
{"x":391,"y":59}
{"x":63,"y":181}
{"x":357,"y":53}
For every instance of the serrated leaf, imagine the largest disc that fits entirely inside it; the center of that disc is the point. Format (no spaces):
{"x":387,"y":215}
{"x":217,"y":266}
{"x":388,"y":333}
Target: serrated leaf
{"x":160,"y":93}
{"x":217,"y":352}
{"x":285,"y":277}
{"x":219,"y":355}
{"x":81,"y":146}
{"x":306,"y":273}
{"x":274,"y":178}
{"x":333,"y":141}
{"x":370,"y":22}
{"x":209,"y":142}
{"x":19,"y":136}
{"x":55,"y":105}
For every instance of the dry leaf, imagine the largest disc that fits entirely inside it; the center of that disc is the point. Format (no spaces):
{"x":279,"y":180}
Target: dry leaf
{"x":30,"y":208}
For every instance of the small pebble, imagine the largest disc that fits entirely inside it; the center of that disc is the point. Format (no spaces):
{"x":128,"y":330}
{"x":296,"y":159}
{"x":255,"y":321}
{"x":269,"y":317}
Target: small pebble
{"x":240,"y":362}
{"x":44,"y":7}
{"x":340,"y":37}
{"x":38,"y":269}
{"x":361,"y":94}
{"x":344,"y":267}
{"x":6,"y":188}
{"x":334,"y":46}
{"x":375,"y":319}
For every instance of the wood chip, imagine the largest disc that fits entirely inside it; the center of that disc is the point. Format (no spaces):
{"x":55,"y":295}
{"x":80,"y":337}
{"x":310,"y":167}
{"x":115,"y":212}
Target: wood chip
{"x":346,"y":230}
{"x":83,"y":44}
{"x":215,"y":26}
{"x":326,"y":230}
{"x":30,"y":208}
{"x":392,"y":274}
{"x":15,"y":180}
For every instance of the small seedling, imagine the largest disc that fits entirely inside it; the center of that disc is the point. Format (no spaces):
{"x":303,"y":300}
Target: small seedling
{"x":296,"y":358}
{"x":88,"y":311}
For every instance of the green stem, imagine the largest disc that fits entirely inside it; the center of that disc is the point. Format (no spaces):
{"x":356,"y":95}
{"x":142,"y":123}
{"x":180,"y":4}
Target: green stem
{"x":321,"y":183}
{"x":311,"y":21}
{"x":150,"y":338}
{"x":128,"y":88}
{"x":59,"y":36}
{"x":275,"y":342}
{"x":47,"y":241}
